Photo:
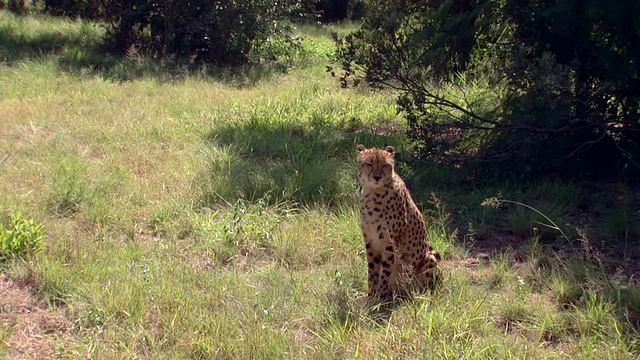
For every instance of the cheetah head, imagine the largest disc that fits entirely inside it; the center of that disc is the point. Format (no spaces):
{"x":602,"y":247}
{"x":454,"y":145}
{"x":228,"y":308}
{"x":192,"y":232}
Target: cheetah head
{"x":375,"y":166}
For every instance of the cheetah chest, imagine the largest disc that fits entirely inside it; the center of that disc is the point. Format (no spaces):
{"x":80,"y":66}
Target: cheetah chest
{"x":382,"y":217}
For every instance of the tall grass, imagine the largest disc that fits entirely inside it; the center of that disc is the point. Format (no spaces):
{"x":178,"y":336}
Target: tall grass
{"x":214,"y":214}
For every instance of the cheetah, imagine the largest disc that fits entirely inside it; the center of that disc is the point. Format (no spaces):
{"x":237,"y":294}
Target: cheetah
{"x":395,"y":234}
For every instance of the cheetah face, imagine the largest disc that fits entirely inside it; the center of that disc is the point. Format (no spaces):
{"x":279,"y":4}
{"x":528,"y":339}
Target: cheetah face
{"x":375,"y":166}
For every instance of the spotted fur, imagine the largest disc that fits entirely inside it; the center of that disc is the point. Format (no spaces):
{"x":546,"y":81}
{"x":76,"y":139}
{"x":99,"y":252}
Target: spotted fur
{"x":395,"y":234}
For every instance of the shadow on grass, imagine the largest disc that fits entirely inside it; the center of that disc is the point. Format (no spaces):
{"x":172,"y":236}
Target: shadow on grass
{"x":80,"y":48}
{"x":24,"y":37}
{"x":133,"y":66}
{"x":284,"y":162}
{"x":15,"y":47}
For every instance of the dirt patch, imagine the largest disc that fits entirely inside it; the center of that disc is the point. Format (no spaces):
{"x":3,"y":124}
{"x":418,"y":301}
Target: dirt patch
{"x":29,"y":328}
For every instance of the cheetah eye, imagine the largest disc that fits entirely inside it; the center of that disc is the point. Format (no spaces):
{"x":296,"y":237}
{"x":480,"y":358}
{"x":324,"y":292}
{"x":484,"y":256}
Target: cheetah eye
{"x":369,"y":165}
{"x":386,"y":168}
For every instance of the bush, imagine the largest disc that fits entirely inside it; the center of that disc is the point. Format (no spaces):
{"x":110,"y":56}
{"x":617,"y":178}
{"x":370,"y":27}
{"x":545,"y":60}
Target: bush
{"x":523,"y":87}
{"x":21,"y":239}
{"x":221,"y":32}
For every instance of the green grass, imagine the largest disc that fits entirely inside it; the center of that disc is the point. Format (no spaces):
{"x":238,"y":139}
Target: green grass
{"x":21,"y":238}
{"x":213,"y":213}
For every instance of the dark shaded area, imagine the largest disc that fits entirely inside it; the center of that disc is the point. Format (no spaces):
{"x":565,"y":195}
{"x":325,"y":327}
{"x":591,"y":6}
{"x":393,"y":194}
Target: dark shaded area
{"x":16,"y":46}
{"x":268,"y":159}
{"x":567,"y":74}
{"x":339,"y":10}
{"x":607,"y":213}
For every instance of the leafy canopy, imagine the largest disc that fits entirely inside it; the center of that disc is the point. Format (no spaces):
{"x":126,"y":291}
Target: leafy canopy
{"x":525,"y":86}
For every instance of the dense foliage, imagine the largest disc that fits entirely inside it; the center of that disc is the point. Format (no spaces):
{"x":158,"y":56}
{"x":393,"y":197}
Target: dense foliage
{"x":214,"y":32}
{"x":219,"y":32}
{"x":531,"y":86}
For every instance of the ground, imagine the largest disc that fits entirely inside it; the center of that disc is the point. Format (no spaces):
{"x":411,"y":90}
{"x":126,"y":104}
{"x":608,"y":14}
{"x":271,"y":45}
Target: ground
{"x":29,"y":327}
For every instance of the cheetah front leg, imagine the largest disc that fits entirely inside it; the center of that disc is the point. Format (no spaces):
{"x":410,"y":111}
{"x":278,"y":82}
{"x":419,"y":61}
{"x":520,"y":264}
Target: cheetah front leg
{"x":388,"y":273}
{"x":427,"y":271}
{"x":382,"y":274}
{"x":373,"y":262}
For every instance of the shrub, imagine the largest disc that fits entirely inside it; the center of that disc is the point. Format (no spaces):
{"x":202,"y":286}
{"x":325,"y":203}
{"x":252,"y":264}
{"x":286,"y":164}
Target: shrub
{"x":21,"y":239}
{"x":221,"y":32}
{"x":524,"y":86}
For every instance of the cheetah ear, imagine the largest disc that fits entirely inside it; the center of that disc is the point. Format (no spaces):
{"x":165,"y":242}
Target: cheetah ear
{"x":391,"y":150}
{"x":360,"y":148}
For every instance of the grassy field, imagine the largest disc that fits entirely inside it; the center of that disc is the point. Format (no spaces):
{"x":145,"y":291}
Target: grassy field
{"x":213,"y":213}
